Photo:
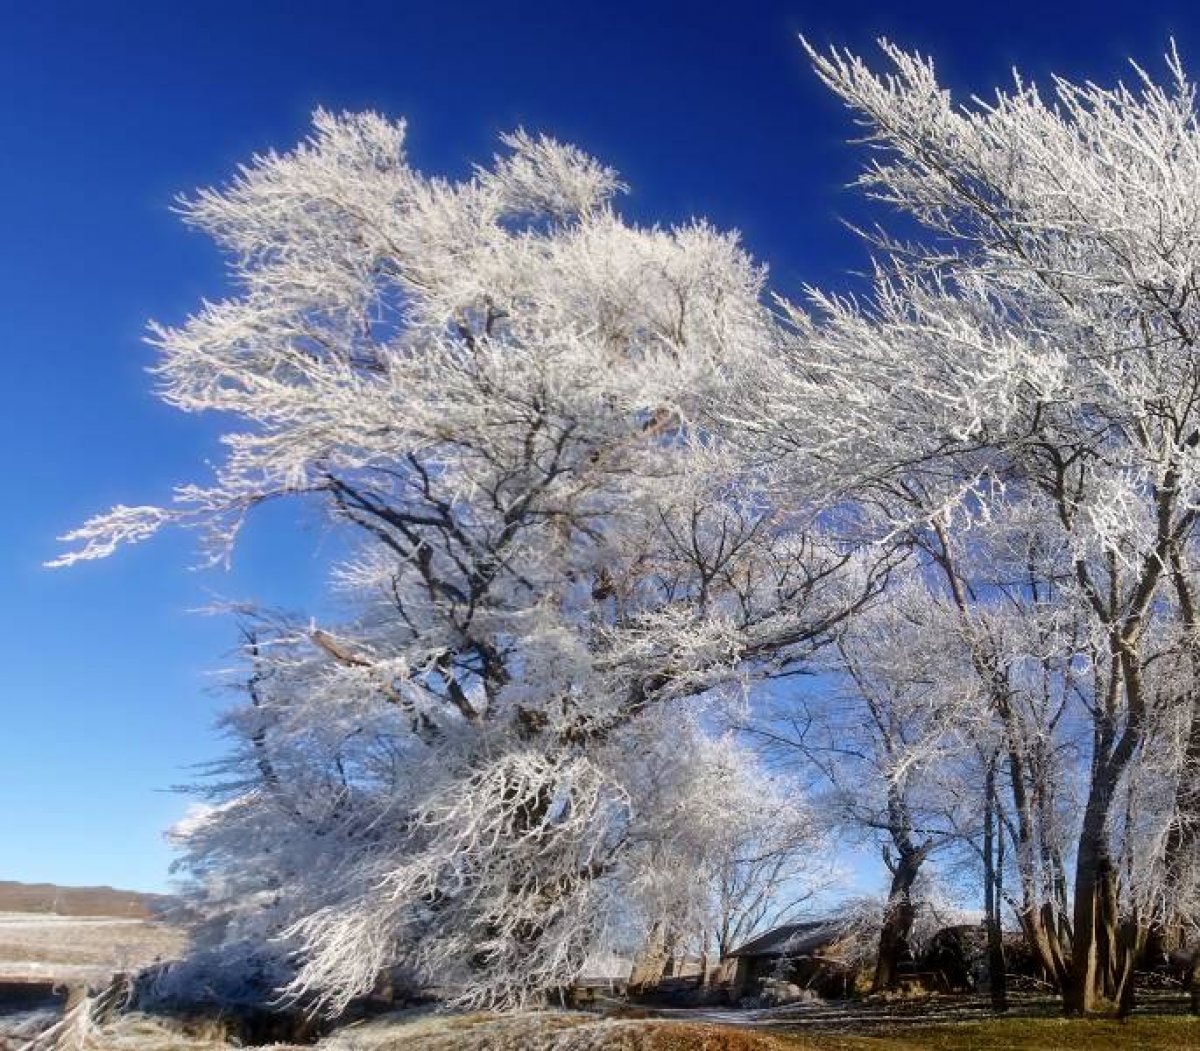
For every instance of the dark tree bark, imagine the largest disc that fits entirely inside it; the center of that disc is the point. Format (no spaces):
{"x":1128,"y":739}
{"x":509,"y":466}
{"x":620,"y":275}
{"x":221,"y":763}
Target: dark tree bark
{"x":900,"y":912}
{"x":1183,"y":837}
{"x":993,"y":892}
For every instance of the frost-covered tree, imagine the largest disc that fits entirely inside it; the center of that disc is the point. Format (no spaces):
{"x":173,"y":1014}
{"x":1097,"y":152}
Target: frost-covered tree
{"x":882,"y":737}
{"x":736,"y":848}
{"x":1031,"y":352}
{"x":496,"y":387}
{"x":903,"y":714}
{"x":589,"y":479}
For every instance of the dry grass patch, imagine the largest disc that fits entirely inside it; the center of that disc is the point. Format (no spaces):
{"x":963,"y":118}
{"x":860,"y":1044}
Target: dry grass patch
{"x":553,"y":1031}
{"x":550,"y":1031}
{"x":1029,"y":1034}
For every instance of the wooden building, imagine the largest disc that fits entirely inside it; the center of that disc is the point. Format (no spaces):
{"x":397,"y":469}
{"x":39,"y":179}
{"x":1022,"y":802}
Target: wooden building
{"x":810,"y":955}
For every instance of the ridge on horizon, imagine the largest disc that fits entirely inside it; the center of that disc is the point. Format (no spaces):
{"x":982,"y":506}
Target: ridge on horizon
{"x":18,"y":896}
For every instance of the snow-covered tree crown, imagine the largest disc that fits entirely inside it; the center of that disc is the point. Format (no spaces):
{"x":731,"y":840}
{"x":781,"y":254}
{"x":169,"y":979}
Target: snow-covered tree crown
{"x":501,"y":390}
{"x":585,"y":465}
{"x":1050,"y":306}
{"x":382,"y":314}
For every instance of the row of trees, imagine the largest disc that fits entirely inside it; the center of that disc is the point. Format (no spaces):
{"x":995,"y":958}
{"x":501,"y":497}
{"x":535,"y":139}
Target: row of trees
{"x":608,"y":498}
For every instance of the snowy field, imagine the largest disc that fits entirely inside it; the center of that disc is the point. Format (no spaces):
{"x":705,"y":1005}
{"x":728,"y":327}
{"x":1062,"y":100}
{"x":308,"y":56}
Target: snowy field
{"x":79,"y":948}
{"x":42,"y":947}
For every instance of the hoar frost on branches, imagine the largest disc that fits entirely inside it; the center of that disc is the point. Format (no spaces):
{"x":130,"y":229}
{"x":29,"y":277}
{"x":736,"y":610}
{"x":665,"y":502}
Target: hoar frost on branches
{"x":498,"y":387}
{"x":1016,"y":400}
{"x":731,"y":849}
{"x":592,"y":477}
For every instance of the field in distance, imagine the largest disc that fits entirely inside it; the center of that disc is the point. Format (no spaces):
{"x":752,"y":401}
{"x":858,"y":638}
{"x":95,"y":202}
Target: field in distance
{"x":79,"y":933}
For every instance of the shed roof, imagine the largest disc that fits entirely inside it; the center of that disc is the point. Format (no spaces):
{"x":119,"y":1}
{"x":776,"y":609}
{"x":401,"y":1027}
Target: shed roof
{"x":793,"y":939}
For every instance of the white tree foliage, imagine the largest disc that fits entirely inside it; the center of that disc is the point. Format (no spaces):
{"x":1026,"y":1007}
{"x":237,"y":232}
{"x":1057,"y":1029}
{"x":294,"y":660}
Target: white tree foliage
{"x":732,"y":848}
{"x":498,"y":387}
{"x":1016,"y":398}
{"x":592,"y":476}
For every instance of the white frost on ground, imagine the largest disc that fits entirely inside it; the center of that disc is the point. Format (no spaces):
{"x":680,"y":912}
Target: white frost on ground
{"x":43,"y":945}
{"x":23,"y":1026}
{"x":57,"y":972}
{"x":49,"y":920}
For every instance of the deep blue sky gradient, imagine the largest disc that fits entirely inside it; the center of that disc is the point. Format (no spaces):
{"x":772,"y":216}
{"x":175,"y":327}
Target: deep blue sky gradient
{"x":107,"y":110}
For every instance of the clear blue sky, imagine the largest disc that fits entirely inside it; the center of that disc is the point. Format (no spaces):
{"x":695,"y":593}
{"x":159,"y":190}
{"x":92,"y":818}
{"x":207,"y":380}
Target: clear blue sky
{"x":109,"y":109}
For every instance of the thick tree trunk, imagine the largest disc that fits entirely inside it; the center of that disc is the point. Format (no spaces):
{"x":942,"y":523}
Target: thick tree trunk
{"x":1102,"y":957}
{"x":1084,"y":989}
{"x":1104,"y":950}
{"x":898,"y":918}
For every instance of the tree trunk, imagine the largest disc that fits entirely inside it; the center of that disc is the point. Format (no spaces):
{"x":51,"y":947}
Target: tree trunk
{"x":1085,"y":988}
{"x":898,"y":919}
{"x":1100,"y":956}
{"x":1132,"y":939}
{"x":997,"y":966}
{"x":1184,"y":833}
{"x":651,"y":963}
{"x":1193,"y":983}
{"x":671,"y":949}
{"x":993,"y":895}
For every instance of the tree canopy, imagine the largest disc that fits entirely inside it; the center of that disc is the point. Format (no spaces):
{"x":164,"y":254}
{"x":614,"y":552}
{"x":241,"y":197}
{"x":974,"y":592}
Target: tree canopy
{"x":607,"y":497}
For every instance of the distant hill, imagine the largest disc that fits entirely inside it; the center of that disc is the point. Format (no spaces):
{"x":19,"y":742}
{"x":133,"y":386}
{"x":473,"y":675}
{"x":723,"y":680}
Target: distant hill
{"x":80,"y":901}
